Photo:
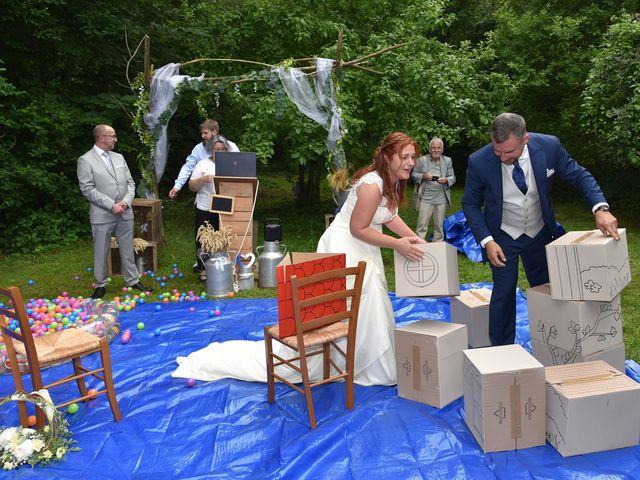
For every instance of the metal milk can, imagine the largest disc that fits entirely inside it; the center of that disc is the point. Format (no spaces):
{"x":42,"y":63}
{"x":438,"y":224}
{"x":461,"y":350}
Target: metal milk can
{"x":219,"y":270}
{"x":268,"y":260}
{"x":245,"y":271}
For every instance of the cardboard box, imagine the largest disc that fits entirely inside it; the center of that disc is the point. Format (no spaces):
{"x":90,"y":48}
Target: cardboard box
{"x":504,"y":398}
{"x":588,"y":266}
{"x":302,"y":265}
{"x":550,"y":356}
{"x":471,"y":308}
{"x":591,"y":407}
{"x":429,"y":361}
{"x":436,"y":274}
{"x":573,"y":328}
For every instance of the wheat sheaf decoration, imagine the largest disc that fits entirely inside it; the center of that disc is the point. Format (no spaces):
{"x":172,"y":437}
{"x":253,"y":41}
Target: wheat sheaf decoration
{"x":139,"y":245}
{"x":212,"y":240}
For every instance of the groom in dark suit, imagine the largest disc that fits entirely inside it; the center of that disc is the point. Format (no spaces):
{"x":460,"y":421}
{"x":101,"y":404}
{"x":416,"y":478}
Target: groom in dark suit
{"x":511,"y":178}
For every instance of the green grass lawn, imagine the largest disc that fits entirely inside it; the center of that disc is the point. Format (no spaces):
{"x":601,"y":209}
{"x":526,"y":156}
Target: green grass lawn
{"x":54,"y":271}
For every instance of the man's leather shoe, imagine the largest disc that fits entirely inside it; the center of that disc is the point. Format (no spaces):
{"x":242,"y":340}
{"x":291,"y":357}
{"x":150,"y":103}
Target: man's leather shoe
{"x":99,"y":292}
{"x":142,"y":288}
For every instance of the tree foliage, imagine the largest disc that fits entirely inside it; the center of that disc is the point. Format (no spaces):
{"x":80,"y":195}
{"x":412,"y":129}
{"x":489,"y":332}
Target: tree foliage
{"x":62,"y":70}
{"x":611,"y":108}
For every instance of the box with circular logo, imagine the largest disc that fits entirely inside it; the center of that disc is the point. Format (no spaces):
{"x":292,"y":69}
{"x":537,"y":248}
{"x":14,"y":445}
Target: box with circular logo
{"x":434,"y":275}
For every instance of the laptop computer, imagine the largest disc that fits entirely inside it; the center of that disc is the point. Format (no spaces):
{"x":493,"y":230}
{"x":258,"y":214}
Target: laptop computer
{"x":235,"y":164}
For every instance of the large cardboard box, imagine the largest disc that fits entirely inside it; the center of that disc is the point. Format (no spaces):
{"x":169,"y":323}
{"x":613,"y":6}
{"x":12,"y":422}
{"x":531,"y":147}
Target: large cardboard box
{"x":591,"y":407}
{"x":589,"y":266}
{"x":303,"y":264}
{"x":435,"y":275}
{"x":573,"y":328}
{"x":504,"y":399}
{"x":549,"y":356}
{"x":471,"y":308}
{"x":429,"y":361}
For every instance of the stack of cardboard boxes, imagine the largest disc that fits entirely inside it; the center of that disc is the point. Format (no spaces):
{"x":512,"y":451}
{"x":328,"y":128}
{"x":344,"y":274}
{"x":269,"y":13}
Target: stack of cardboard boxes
{"x":577,"y":316}
{"x":429,"y":353}
{"x":579,"y":403}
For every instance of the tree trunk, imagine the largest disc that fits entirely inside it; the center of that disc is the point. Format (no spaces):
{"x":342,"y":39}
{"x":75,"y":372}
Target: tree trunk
{"x":310,"y":187}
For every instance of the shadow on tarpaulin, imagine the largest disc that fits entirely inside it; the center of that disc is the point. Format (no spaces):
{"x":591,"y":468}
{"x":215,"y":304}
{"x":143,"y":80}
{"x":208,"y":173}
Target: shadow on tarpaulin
{"x":227,"y":430}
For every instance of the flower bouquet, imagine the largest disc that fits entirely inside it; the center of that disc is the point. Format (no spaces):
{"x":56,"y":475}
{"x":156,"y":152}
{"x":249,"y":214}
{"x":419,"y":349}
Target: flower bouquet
{"x":19,"y":445}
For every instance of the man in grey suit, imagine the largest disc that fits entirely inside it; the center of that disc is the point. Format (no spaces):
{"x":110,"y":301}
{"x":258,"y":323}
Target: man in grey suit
{"x":433,"y":176}
{"x":105,"y":181}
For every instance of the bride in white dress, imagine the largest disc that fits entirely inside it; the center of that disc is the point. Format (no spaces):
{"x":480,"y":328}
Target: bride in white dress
{"x":356,"y":231}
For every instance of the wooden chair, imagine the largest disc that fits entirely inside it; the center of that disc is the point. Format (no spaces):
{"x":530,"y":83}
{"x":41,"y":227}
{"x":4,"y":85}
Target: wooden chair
{"x":58,"y":347}
{"x":317,"y":336}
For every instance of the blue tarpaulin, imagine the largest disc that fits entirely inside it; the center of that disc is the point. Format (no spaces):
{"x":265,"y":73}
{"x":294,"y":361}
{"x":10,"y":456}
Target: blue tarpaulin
{"x":227,"y":430}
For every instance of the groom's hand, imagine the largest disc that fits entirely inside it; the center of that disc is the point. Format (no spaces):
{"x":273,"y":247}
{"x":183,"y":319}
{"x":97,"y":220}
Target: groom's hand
{"x":495,"y":255}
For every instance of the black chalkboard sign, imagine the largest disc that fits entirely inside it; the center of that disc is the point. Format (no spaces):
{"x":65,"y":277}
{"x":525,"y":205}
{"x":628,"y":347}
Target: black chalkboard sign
{"x":222,"y":204}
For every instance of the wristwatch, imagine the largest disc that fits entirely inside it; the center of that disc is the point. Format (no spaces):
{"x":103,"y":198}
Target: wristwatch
{"x":602,"y":208}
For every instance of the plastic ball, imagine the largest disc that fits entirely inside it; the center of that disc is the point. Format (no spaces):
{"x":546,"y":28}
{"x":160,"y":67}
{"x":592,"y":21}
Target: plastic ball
{"x":158,"y":308}
{"x":230,"y":295}
{"x":30,"y":282}
{"x":212,"y":313}
{"x":31,"y":420}
{"x":140,"y":326}
{"x":89,"y":269}
{"x":124,"y":339}
{"x":192,"y":309}
{"x":73,"y":408}
{"x":93,"y":393}
{"x":157,"y":332}
{"x":191,"y":382}
{"x":217,"y":312}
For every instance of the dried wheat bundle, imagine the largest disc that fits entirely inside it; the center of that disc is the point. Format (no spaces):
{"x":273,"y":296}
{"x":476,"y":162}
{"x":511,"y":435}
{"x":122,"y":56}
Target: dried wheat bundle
{"x":214,"y":240}
{"x":139,"y":245}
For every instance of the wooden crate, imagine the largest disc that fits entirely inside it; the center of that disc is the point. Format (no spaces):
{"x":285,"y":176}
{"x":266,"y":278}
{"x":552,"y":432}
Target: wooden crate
{"x":243,"y":191}
{"x":114,"y":266}
{"x":147,"y":214}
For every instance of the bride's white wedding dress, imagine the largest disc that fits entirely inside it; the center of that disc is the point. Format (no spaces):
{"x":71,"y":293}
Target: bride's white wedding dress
{"x":375,"y":358}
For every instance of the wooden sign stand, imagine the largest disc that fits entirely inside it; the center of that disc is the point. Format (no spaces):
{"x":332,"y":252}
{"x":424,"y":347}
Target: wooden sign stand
{"x":243,"y":189}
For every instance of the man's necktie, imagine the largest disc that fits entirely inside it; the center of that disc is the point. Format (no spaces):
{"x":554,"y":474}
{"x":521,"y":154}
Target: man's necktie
{"x":107,"y":159}
{"x":518,"y":177}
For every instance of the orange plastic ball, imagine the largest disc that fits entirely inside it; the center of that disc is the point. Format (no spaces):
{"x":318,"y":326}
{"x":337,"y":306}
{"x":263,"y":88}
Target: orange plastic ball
{"x":31,"y":420}
{"x":92,"y":392}
{"x":230,"y":294}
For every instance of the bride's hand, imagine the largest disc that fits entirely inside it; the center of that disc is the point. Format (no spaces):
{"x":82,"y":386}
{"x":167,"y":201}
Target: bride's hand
{"x":407,"y":248}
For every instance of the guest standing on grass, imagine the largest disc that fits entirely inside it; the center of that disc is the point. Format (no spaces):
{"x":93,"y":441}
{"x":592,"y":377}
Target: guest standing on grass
{"x":201,"y":182}
{"x":433,"y":176}
{"x":105,"y":181}
{"x":507,"y":202}
{"x":208,"y":129}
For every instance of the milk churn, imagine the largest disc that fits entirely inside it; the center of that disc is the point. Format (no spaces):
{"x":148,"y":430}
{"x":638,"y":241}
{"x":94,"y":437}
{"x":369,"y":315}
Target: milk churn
{"x":270,"y":254}
{"x":219,"y":273}
{"x":245,"y":271}
{"x":141,"y":265}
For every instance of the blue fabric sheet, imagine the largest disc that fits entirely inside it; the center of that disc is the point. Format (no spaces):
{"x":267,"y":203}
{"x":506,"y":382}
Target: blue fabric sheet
{"x":226,"y":429}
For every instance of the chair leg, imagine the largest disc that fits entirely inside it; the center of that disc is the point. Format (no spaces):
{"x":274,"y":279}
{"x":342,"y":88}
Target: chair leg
{"x":82,"y":386}
{"x":350,"y":366}
{"x":268,"y":343}
{"x":307,"y":390}
{"x":326,"y":360}
{"x":108,"y":380}
{"x":22,"y":406}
